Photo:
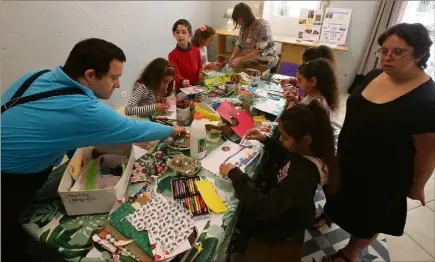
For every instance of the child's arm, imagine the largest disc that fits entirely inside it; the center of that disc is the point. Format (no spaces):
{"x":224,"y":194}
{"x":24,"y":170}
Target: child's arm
{"x":178,"y":77}
{"x":297,"y":189}
{"x":275,"y":148}
{"x":140,"y":92}
{"x":200,"y":66}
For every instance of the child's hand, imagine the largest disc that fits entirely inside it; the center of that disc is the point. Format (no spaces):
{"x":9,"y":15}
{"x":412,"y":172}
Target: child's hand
{"x":289,"y":96}
{"x":284,"y":82}
{"x":161,"y":107}
{"x":224,"y":169}
{"x":255,"y":134}
{"x":185,"y":82}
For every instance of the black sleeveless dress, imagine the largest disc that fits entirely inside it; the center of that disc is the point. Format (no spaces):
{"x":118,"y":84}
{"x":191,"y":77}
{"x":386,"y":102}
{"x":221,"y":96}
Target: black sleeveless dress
{"x":376,"y":153}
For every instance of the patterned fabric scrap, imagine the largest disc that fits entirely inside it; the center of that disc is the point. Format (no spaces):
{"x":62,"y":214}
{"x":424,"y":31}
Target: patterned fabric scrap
{"x":117,"y":219}
{"x":168,"y":225}
{"x":115,"y":238}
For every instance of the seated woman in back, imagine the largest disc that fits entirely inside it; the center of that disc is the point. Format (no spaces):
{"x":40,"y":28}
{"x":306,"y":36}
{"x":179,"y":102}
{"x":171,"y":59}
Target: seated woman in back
{"x":254,"y":47}
{"x":151,"y":89}
{"x":275,"y":215}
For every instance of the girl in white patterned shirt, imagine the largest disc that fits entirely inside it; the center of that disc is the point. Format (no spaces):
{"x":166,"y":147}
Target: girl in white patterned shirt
{"x":202,"y":39}
{"x":317,"y":80}
{"x":151,"y":89}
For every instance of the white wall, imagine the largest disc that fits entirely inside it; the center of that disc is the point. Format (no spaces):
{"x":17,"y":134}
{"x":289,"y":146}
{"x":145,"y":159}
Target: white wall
{"x":36,"y":34}
{"x":363,"y":15}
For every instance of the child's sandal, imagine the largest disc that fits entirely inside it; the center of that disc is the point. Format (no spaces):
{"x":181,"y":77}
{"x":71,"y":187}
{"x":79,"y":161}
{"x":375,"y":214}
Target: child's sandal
{"x":339,"y":254}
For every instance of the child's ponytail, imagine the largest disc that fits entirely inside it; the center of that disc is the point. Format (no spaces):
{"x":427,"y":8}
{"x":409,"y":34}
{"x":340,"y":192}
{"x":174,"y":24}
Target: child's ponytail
{"x":323,"y":145}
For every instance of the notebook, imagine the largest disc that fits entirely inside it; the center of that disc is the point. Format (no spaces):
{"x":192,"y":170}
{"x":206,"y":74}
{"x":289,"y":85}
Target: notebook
{"x":230,"y":152}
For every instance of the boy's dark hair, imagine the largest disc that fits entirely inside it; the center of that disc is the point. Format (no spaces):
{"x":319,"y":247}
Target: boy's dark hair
{"x":415,"y":35}
{"x":153,"y":73}
{"x":244,"y":11}
{"x":200,"y":36}
{"x":322,"y":70}
{"x":316,"y":52}
{"x":182,"y":22}
{"x":92,"y":53}
{"x":313,"y":120}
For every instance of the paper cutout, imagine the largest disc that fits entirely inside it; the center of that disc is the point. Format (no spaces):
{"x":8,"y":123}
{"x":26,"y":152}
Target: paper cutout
{"x":229,"y":113}
{"x":210,"y":196}
{"x":230,"y":152}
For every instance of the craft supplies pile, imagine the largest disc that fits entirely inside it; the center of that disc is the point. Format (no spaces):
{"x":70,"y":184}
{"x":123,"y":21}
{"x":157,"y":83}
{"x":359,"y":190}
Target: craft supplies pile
{"x":150,"y":226}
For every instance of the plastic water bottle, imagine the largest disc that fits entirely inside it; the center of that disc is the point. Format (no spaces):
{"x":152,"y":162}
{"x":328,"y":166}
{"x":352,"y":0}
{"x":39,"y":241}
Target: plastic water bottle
{"x":197,"y":137}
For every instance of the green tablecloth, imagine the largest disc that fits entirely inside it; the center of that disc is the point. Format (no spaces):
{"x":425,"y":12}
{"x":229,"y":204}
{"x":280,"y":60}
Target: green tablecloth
{"x":71,"y":235}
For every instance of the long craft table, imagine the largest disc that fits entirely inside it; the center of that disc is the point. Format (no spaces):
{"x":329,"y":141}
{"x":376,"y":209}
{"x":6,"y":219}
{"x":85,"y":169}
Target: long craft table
{"x":70,"y":235}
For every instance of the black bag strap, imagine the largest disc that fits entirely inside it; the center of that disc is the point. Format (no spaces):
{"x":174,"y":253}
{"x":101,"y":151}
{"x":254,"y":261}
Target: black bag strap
{"x":29,"y":81}
{"x":17,"y":98}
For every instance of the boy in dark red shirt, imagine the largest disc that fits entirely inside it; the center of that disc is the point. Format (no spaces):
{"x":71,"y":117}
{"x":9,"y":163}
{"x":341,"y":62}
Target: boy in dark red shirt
{"x":186,"y":57}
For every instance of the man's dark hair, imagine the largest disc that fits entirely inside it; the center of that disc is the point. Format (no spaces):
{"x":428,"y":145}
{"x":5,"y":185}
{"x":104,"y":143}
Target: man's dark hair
{"x":92,"y":53}
{"x":182,"y":22}
{"x":415,"y":35}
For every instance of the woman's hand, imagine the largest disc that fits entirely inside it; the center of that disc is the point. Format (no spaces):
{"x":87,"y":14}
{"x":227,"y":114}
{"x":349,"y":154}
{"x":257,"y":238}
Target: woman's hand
{"x":185,"y":83}
{"x":178,"y":131}
{"x":217,"y":65}
{"x":417,"y":193}
{"x":224,"y":169}
{"x":255,"y":134}
{"x":235,"y":62}
{"x":161,"y":107}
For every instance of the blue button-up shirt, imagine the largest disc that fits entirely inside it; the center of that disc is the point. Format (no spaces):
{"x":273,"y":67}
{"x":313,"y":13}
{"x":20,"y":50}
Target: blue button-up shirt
{"x":37,"y":134}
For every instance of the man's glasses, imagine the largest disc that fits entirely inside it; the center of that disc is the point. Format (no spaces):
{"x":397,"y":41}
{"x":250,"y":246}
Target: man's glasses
{"x":395,"y":53}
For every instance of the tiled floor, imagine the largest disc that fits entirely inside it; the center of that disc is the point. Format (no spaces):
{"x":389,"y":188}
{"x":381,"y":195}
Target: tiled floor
{"x":418,"y":242}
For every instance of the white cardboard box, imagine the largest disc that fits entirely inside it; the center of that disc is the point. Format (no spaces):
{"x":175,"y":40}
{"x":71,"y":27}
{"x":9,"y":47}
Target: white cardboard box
{"x":100,"y":200}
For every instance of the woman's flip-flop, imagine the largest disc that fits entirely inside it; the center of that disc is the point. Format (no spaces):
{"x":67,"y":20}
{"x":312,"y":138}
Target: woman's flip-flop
{"x":339,"y":254}
{"x":319,"y":218}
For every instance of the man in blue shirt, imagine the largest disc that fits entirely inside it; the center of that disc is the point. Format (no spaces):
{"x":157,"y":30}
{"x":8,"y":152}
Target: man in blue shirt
{"x":60,"y":111}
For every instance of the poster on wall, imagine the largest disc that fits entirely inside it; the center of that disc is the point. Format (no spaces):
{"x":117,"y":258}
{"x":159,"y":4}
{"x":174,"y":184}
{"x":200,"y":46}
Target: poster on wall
{"x":310,"y":22}
{"x":335,"y":25}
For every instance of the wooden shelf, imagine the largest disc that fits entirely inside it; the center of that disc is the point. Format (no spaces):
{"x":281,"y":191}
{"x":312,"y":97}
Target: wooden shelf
{"x":225,"y":54}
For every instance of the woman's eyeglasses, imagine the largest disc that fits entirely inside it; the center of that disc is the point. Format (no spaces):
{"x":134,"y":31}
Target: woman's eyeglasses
{"x":395,"y":53}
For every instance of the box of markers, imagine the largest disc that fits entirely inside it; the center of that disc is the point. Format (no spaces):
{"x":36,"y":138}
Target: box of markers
{"x":186,"y":194}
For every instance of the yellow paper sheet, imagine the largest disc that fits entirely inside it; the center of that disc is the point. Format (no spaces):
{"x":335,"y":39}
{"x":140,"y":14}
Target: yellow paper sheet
{"x":210,"y":196}
{"x":260,"y":118}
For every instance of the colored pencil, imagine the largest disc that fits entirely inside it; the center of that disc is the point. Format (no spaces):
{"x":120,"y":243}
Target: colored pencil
{"x":174,"y":188}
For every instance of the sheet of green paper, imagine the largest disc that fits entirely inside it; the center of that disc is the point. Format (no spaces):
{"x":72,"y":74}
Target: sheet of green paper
{"x":91,"y":176}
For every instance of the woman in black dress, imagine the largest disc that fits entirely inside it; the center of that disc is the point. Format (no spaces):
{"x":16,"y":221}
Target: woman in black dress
{"x":387,"y":144}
